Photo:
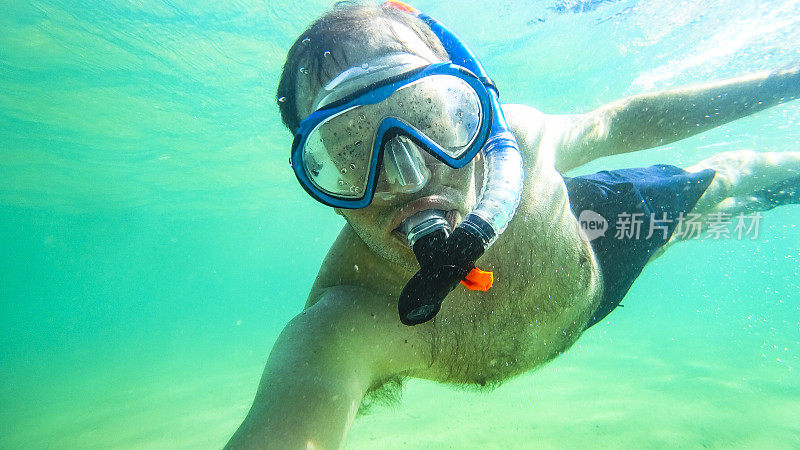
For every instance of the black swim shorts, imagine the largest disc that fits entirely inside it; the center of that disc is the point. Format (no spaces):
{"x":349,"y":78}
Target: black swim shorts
{"x":629,"y":214}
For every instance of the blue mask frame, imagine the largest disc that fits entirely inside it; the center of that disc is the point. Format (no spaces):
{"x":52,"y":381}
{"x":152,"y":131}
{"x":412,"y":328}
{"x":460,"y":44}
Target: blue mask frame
{"x":389,"y":128}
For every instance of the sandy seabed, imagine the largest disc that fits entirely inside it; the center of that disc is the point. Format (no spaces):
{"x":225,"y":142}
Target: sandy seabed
{"x":606,"y":401}
{"x":704,"y":362}
{"x":605,"y":392}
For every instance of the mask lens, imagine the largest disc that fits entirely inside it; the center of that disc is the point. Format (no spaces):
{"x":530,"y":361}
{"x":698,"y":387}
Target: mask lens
{"x":442,"y":107}
{"x":337,"y":154}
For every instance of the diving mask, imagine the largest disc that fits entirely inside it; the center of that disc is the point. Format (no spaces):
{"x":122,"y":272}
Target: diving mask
{"x":390,"y":120}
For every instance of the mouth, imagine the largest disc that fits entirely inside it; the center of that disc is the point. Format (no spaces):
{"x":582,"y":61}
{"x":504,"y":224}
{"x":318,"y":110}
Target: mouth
{"x":452,"y":214}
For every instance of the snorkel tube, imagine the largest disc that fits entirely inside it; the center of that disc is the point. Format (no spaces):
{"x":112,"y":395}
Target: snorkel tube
{"x":447,"y":258}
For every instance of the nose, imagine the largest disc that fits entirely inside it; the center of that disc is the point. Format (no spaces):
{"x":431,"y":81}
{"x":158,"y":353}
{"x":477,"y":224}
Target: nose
{"x":404,"y":167}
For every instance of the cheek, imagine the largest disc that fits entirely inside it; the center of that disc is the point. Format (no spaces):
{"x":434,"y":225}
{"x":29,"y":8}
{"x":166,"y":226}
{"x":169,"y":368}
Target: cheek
{"x":456,"y":178}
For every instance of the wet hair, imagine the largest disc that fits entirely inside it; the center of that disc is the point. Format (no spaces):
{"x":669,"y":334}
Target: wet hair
{"x":320,"y":51}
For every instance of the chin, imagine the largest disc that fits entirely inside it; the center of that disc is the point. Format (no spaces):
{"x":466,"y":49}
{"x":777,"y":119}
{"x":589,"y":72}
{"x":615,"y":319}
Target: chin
{"x":394,"y":248}
{"x":397,"y":251}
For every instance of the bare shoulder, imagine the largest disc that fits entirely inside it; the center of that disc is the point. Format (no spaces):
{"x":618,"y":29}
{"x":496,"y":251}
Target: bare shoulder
{"x":526,"y":122}
{"x":537,"y":133}
{"x":349,"y":262}
{"x":562,"y":141}
{"x":363,"y":322}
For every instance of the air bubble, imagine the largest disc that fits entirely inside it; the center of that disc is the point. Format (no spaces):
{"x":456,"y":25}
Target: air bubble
{"x":352,"y":166}
{"x":282,"y":99}
{"x":341,"y":182}
{"x":326,"y":54}
{"x":428,"y":100}
{"x":306,"y":40}
{"x":365,"y":66}
{"x":343,"y":171}
{"x":304,"y":71}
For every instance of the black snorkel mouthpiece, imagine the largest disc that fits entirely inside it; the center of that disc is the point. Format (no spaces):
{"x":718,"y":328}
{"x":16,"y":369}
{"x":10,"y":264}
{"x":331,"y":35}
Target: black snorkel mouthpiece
{"x":444,"y":258}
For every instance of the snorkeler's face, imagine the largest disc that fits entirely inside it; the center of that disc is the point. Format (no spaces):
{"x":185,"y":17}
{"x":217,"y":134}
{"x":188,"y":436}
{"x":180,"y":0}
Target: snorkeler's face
{"x":447,"y":189}
{"x":344,"y":147}
{"x":348,"y":143}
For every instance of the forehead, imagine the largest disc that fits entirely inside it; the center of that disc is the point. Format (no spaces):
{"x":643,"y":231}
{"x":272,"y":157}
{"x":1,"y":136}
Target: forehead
{"x":397,"y":37}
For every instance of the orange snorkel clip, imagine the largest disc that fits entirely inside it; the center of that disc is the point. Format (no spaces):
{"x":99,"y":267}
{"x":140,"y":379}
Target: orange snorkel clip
{"x":478,"y":280}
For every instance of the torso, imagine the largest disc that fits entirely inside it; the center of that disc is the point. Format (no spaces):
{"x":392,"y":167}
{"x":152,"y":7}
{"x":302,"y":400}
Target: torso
{"x":547,"y":281}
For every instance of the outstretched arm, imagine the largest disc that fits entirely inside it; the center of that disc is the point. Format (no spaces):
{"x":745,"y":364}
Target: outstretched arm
{"x":650,"y":120}
{"x":321,"y":366}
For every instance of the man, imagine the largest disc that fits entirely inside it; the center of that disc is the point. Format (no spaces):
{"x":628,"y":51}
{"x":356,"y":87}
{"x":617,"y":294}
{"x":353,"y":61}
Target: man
{"x":552,"y":280}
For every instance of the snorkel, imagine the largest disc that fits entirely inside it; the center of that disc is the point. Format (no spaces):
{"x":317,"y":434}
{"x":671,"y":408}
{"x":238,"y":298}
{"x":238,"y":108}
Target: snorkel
{"x":447,"y":257}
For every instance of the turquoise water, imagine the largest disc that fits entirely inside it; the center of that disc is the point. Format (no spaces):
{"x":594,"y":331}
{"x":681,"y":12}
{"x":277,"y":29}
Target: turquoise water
{"x":155,"y":241}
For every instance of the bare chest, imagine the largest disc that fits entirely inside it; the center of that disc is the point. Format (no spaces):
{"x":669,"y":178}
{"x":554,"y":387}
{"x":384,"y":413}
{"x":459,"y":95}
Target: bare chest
{"x":546,"y":285}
